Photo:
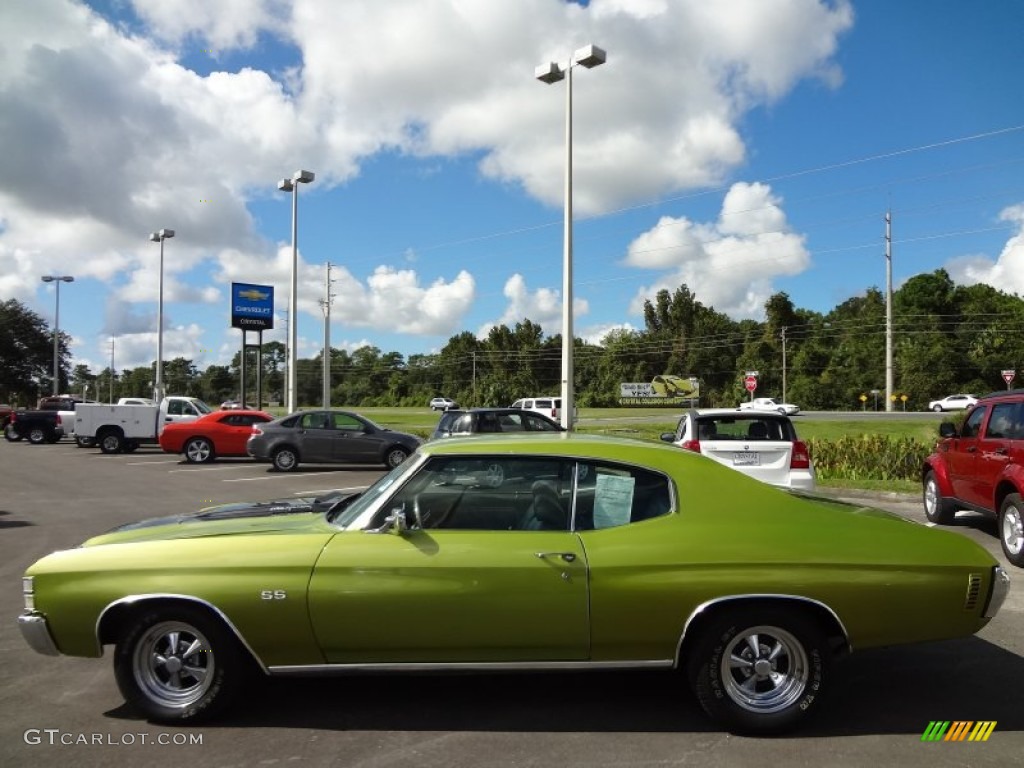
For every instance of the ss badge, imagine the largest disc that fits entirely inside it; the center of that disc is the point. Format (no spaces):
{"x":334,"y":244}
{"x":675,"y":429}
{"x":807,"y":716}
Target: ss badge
{"x":273,"y":594}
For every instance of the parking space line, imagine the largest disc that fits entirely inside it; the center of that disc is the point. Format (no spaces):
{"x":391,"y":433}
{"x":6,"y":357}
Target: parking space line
{"x":282,"y":476}
{"x":212,"y":469}
{"x":328,"y":490}
{"x":144,"y":463}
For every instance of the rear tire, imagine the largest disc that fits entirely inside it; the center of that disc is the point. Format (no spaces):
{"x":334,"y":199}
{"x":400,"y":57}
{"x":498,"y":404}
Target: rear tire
{"x":10,"y":435}
{"x":937,"y":409}
{"x":178,"y":664}
{"x":759,"y":669}
{"x":111,"y":442}
{"x":937,"y":508}
{"x":285,"y":459}
{"x":1011,"y":529}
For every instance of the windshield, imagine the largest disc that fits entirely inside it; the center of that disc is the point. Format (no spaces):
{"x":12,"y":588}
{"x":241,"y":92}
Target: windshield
{"x":201,"y":406}
{"x":372,"y":494}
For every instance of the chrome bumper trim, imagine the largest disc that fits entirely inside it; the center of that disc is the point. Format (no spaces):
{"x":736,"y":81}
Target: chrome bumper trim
{"x":37,"y":634}
{"x":996,"y":595}
{"x":481,"y":666}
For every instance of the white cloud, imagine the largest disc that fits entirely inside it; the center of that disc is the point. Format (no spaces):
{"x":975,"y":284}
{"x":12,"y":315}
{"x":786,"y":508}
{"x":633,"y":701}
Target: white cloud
{"x":1007,"y":271}
{"x":542,"y":306}
{"x":116,"y":138}
{"x":730,"y":263}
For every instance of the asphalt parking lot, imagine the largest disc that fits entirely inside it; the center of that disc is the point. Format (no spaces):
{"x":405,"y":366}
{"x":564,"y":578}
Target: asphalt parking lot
{"x":67,"y":711}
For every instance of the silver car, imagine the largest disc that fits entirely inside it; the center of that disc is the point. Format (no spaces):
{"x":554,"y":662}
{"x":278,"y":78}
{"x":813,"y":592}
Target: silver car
{"x":328,"y":437}
{"x":762,"y":444}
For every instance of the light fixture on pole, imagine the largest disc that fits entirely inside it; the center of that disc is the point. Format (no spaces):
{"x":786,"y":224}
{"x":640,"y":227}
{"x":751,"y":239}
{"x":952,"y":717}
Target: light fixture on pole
{"x":292,"y":185}
{"x":589,"y":56}
{"x":158,"y":387}
{"x":57,"y":279}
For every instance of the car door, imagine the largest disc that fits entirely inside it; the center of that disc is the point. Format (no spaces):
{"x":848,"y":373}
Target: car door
{"x":473,"y":584}
{"x":234,"y":431}
{"x":315,"y":437}
{"x":354,"y":441}
{"x":993,"y":454}
{"x":962,"y":454}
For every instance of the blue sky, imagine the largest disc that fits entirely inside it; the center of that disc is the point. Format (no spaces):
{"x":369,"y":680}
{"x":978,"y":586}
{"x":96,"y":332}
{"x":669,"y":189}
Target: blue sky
{"x":742,"y":147}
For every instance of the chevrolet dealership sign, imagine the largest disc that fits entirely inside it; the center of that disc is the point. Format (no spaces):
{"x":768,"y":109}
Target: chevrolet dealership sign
{"x":252,"y":306}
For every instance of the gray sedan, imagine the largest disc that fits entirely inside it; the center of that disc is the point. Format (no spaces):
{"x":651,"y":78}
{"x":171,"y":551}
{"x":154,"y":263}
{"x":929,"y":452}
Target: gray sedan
{"x":328,"y":437}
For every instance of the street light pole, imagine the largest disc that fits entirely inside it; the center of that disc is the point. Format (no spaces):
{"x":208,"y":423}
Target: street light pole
{"x":326,"y":304}
{"x":292,"y":185}
{"x":58,"y":279}
{"x":589,"y":56}
{"x":158,"y":388}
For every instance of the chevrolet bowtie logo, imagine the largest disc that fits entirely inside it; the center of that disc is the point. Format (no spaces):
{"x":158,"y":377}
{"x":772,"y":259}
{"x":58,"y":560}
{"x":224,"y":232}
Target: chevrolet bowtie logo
{"x":253,"y":295}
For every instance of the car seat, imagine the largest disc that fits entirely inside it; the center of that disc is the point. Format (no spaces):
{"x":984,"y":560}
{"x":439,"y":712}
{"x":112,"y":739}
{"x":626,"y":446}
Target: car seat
{"x":757,"y":430}
{"x":546,"y":512}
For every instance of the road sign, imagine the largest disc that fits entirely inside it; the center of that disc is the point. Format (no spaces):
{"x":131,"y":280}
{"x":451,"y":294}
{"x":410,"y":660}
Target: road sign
{"x":1008,"y":376}
{"x":750,"y":382}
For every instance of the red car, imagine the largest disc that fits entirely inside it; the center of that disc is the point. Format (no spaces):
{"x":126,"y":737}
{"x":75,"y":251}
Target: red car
{"x":221,"y":433}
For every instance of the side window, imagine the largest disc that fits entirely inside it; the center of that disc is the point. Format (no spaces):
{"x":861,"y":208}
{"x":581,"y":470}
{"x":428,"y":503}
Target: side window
{"x":514,"y":422}
{"x":1002,"y":423}
{"x":972,"y":426}
{"x":610,"y":495}
{"x":487,"y":422}
{"x":502,"y":493}
{"x":175,"y":408}
{"x":344,"y":421}
{"x":314,"y":421}
{"x":533,"y":424}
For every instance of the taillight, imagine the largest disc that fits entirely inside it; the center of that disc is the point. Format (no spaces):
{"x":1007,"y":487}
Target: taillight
{"x":800,"y":458}
{"x":14,"y":418}
{"x":691,"y":445}
{"x":58,"y":420}
{"x":256,"y":430}
{"x":554,"y":413}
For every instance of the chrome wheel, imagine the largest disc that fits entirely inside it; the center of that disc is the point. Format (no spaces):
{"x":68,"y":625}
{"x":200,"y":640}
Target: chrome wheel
{"x":36,"y":436}
{"x":765,"y":669}
{"x":198,"y":450}
{"x":1011,"y":529}
{"x":286,"y":460}
{"x":395,"y":457}
{"x":494,"y":475}
{"x":173,"y":664}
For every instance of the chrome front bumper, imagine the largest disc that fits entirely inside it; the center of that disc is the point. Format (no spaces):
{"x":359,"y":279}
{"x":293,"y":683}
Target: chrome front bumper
{"x":37,"y":634}
{"x":996,"y":596}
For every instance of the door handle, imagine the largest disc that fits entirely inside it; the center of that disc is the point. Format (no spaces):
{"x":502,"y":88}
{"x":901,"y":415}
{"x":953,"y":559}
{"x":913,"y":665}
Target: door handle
{"x":566,"y":556}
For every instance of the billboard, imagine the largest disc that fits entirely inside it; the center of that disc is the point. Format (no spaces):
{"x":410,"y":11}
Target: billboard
{"x":665,"y":389}
{"x":252,"y":306}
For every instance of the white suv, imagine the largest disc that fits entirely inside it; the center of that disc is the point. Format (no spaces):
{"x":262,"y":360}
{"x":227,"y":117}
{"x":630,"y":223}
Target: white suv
{"x":549,"y":406}
{"x":443,"y":404}
{"x":762,"y":444}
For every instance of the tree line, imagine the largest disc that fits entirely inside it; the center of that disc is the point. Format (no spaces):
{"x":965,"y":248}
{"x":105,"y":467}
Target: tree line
{"x":946,"y":339}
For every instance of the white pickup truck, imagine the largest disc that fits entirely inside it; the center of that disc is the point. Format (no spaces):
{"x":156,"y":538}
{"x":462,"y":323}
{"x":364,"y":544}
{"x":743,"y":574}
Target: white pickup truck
{"x":116,"y":428}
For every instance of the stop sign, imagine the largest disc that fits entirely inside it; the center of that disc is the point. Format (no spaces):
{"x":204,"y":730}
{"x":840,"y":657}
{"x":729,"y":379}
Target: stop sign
{"x":750,"y":382}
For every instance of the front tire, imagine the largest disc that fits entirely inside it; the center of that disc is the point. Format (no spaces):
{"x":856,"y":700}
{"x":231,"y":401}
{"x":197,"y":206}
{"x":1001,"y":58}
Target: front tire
{"x":395,"y":456}
{"x":937,"y":508}
{"x":1011,"y":529}
{"x":285,"y":459}
{"x":178,"y":664}
{"x":198,"y":450}
{"x":37,"y":435}
{"x":759,"y":670}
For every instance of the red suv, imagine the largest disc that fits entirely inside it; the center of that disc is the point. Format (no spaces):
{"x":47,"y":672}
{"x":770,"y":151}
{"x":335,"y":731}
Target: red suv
{"x":981,"y":467}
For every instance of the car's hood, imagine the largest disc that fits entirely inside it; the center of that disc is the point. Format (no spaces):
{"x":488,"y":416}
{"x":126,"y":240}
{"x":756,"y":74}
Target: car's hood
{"x":283,"y":515}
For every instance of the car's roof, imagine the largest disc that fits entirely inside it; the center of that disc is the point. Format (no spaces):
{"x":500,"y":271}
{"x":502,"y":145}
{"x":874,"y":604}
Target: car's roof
{"x":736,"y":412}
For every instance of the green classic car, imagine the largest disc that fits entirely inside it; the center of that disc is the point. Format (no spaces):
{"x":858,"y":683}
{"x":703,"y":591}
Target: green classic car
{"x":515,"y":552}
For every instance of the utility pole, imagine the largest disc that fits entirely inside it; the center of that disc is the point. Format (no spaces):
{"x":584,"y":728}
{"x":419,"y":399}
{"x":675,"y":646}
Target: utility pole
{"x":111,"y":371}
{"x":325,"y":303}
{"x":888,"y":312}
{"x":474,"y":378}
{"x":784,"y":363}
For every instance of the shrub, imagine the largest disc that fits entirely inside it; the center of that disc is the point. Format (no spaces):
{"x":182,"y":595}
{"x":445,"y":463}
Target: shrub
{"x":869,"y":457}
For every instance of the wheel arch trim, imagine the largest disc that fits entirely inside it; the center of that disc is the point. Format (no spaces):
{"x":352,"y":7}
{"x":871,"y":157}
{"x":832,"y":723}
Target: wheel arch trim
{"x":706,"y":606}
{"x":135,"y":601}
